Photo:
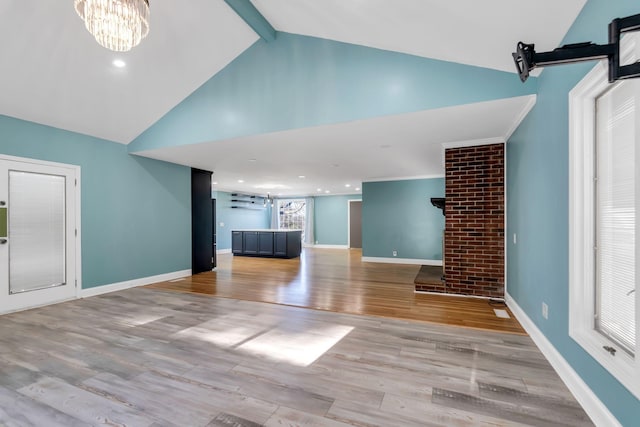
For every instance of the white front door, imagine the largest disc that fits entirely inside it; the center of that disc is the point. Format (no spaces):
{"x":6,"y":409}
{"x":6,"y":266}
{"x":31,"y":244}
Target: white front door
{"x":37,"y":233}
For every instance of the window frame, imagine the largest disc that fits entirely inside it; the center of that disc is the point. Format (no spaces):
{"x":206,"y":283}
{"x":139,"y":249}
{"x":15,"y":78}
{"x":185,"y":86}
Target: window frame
{"x":582,"y":282}
{"x":292,"y":199}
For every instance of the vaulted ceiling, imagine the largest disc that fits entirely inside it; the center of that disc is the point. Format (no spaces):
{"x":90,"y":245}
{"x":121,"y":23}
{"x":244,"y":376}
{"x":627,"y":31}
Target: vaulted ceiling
{"x":54,"y":73}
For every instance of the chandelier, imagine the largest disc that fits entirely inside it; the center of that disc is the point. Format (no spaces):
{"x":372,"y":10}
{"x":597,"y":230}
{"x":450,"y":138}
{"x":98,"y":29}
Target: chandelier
{"x":118,"y":25}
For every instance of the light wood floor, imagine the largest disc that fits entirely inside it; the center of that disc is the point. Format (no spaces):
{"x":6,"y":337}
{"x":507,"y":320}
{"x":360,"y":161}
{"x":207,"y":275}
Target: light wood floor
{"x":148,"y":357}
{"x":337,"y":280}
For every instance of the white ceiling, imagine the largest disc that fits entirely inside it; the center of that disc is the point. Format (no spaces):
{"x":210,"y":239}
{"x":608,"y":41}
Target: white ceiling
{"x":473,"y":32}
{"x":54,"y":73}
{"x":330,"y":157}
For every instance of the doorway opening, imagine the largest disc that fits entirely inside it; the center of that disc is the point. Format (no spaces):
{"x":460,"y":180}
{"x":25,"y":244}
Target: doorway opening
{"x":355,"y":224}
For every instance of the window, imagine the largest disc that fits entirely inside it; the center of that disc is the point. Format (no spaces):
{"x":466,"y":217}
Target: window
{"x":292,"y":214}
{"x":603,"y":199}
{"x":615,"y":207}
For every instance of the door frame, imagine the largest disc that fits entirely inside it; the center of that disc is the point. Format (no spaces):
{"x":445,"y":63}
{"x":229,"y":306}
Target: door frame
{"x":349,"y":220}
{"x":78,"y":220}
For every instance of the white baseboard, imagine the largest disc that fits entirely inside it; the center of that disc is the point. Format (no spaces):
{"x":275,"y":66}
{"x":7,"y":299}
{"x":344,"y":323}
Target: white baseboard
{"x":223,"y":251}
{"x":328,"y":246}
{"x":597,"y":411}
{"x":99,"y":290}
{"x":434,"y":262}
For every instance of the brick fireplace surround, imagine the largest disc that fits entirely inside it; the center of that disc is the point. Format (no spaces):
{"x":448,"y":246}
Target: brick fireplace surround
{"x":474,"y":225}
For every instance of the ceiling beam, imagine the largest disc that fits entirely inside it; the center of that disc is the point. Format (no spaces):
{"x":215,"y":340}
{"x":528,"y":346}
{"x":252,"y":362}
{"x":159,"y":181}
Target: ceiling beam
{"x":248,"y":12}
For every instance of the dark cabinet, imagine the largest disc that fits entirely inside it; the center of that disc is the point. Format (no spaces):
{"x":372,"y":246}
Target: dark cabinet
{"x":201,"y":222}
{"x":214,"y":256}
{"x":280,"y":244}
{"x":265,"y":243}
{"x":294,"y":244}
{"x":250,"y":240}
{"x":236,"y":242}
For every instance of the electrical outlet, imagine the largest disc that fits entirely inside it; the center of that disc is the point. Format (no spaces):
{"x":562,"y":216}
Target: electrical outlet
{"x":545,"y":310}
{"x":395,"y":253}
{"x":514,"y":238}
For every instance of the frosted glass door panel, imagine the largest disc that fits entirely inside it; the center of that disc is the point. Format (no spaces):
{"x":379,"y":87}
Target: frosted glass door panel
{"x":36,"y":231}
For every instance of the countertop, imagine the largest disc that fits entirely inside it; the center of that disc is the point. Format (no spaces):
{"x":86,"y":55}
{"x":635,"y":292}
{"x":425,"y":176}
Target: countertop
{"x":275,"y":230}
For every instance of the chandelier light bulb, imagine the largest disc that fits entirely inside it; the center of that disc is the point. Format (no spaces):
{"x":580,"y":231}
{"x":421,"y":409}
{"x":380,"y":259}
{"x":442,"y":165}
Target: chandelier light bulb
{"x":117,"y":25}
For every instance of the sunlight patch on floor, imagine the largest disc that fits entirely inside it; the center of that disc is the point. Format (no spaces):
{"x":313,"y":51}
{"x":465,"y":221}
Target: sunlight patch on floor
{"x":300,"y":348}
{"x":226,"y":336}
{"x":142,"y":319}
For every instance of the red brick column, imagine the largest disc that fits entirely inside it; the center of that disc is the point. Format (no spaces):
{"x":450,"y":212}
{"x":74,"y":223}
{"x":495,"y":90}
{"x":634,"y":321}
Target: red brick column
{"x":474,"y":226}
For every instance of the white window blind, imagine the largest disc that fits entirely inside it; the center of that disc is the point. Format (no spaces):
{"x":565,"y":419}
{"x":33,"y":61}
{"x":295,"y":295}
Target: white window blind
{"x":37,"y":231}
{"x":615,"y":220}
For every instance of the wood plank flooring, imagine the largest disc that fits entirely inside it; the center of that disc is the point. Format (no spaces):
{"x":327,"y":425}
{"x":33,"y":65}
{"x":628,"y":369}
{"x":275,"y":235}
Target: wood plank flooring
{"x":337,"y":280}
{"x":149,"y":357}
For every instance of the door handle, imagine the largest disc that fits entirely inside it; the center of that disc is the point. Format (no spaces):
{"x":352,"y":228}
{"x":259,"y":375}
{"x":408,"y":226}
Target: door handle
{"x":3,"y":223}
{"x":3,"y":241}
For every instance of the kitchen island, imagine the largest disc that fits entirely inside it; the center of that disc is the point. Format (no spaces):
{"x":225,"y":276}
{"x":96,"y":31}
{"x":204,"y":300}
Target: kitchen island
{"x":267,"y":243}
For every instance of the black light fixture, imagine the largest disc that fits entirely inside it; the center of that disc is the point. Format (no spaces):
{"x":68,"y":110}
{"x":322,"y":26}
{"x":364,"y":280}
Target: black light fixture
{"x":268,"y":200}
{"x":526,"y":58}
{"x":440,"y":203}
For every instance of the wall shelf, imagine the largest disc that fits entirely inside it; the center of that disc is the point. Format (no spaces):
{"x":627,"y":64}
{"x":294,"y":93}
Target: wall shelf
{"x":247,"y":201}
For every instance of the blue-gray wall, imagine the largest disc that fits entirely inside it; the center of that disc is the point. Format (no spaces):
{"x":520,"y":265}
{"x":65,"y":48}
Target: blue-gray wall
{"x":332,"y":218}
{"x":537,"y":209}
{"x":398,"y":215}
{"x":298,"y":81}
{"x":236,"y":219}
{"x":136,"y":212}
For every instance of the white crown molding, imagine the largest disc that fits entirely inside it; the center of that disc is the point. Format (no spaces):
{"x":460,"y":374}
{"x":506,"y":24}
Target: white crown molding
{"x":473,"y":142}
{"x":404,"y":178}
{"x":469,"y":143}
{"x":284,"y":197}
{"x":359,"y":194}
{"x":248,"y":193}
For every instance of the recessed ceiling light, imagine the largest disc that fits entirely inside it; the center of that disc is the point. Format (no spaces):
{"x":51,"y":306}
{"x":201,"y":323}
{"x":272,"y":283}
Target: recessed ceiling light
{"x":241,"y":181}
{"x":253,"y":160}
{"x":358,"y":189}
{"x":319,"y":190}
{"x":272,"y":186}
{"x":347,"y":185}
{"x":301,"y":176}
{"x":119,"y":63}
{"x":215,"y":182}
{"x":327,"y":191}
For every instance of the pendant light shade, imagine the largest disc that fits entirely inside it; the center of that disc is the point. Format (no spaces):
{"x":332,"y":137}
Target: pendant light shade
{"x":118,"y":25}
